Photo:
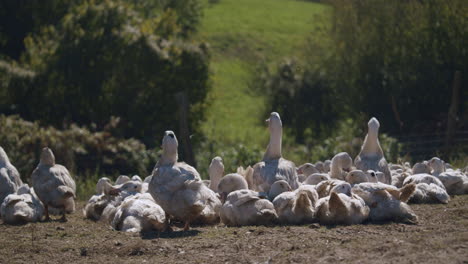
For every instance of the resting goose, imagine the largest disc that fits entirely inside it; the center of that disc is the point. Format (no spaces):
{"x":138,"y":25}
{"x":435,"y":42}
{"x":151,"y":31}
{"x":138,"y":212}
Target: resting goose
{"x":53,"y":185}
{"x":247,"y":207}
{"x":96,"y":204}
{"x":421,"y":167}
{"x":429,"y":189}
{"x":216,"y":172}
{"x":295,"y":207}
{"x":229,"y":183}
{"x":139,"y":213}
{"x":305,"y":170}
{"x":340,"y":165}
{"x":455,"y":181}
{"x":371,"y":156}
{"x":325,"y":188}
{"x":339,"y":208}
{"x":177,"y":187}
{"x":21,"y":207}
{"x":386,"y":202}
{"x":10,"y":179}
{"x":273,"y":167}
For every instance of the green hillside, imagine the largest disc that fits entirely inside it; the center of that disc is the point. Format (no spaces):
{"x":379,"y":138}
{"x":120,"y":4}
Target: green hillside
{"x":243,"y":34}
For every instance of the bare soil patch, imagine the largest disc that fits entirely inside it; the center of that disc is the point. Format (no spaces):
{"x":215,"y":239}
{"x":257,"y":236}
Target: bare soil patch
{"x":440,"y":237}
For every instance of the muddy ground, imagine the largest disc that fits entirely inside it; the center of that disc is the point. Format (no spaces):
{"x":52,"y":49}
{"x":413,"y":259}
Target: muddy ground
{"x":440,"y":237}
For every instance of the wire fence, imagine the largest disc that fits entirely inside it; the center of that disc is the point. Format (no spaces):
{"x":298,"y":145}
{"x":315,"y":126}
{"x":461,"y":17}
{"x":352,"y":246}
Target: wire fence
{"x":425,"y":146}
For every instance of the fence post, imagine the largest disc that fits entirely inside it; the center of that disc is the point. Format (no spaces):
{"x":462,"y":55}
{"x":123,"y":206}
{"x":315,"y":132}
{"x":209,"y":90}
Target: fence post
{"x":453,"y":110}
{"x":182,"y":101}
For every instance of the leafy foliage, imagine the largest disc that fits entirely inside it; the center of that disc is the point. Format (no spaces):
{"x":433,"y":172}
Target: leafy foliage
{"x":104,"y":59}
{"x":83,"y":152}
{"x":394,"y":60}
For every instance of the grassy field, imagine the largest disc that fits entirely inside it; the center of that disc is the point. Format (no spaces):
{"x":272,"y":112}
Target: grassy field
{"x":243,"y":35}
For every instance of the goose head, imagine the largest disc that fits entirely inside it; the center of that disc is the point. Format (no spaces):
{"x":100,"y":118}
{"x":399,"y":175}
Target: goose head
{"x":278,"y":188}
{"x":122,"y":179}
{"x":356,"y":176}
{"x":274,"y":122}
{"x":216,"y":167}
{"x":342,"y":187}
{"x":373,"y":176}
{"x":136,"y":178}
{"x":169,"y":146}
{"x":421,"y":167}
{"x":373,"y":125}
{"x":3,"y":157}
{"x":342,"y":161}
{"x":229,"y":183}
{"x":47,"y":157}
{"x":215,"y":171}
{"x":437,"y":165}
{"x":103,"y":185}
{"x":316,"y":178}
{"x":129,"y":188}
{"x":307,"y":169}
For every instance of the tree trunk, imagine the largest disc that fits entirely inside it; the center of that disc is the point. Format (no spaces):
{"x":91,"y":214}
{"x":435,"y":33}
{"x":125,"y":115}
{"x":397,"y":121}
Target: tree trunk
{"x":182,"y":101}
{"x":453,"y":111}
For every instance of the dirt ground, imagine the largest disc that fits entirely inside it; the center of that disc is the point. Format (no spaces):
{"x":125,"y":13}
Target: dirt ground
{"x":440,"y":237}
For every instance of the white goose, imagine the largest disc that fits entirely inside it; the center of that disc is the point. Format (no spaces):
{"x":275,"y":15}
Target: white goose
{"x":247,"y":207}
{"x":325,"y":188}
{"x":455,"y":181}
{"x":273,"y":167}
{"x":340,"y":165}
{"x":295,"y":207}
{"x":371,"y":156}
{"x":54,"y":185}
{"x":231,"y":182}
{"x":421,"y":167}
{"x":22,"y":206}
{"x":429,"y":189}
{"x":177,"y":187}
{"x":386,"y":202}
{"x":10,"y":179}
{"x":305,"y":170}
{"x":339,"y":208}
{"x":216,"y":172}
{"x":139,"y":213}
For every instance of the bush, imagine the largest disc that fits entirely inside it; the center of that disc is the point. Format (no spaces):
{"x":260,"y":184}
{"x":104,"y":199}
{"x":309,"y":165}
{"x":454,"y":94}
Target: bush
{"x":396,"y":59}
{"x":103,"y":59}
{"x":83,"y":152}
{"x":303,"y":96}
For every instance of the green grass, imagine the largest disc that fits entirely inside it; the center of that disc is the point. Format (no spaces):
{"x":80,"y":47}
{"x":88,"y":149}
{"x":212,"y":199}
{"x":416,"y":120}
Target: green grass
{"x":245,"y":35}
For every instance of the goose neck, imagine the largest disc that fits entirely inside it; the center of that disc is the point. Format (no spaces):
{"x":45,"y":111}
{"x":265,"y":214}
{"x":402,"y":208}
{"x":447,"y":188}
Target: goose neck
{"x":274,"y":146}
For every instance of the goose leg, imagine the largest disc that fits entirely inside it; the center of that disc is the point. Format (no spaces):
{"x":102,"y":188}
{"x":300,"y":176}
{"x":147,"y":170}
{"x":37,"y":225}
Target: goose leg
{"x":64,"y":218}
{"x":46,"y":211}
{"x":187,"y":226}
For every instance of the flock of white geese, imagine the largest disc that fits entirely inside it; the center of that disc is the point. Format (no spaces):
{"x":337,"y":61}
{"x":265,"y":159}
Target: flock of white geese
{"x":273,"y":191}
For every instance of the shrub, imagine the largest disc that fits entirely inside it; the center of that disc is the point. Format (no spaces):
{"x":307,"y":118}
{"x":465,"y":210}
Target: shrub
{"x":83,"y":152}
{"x":104,"y":59}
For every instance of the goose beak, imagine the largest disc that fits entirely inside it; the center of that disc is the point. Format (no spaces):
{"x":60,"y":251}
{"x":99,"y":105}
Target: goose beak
{"x":299,"y":171}
{"x":267,"y":121}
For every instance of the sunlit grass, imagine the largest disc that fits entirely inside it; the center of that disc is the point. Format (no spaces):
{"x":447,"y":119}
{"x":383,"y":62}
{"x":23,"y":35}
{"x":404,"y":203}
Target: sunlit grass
{"x":244,"y":34}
